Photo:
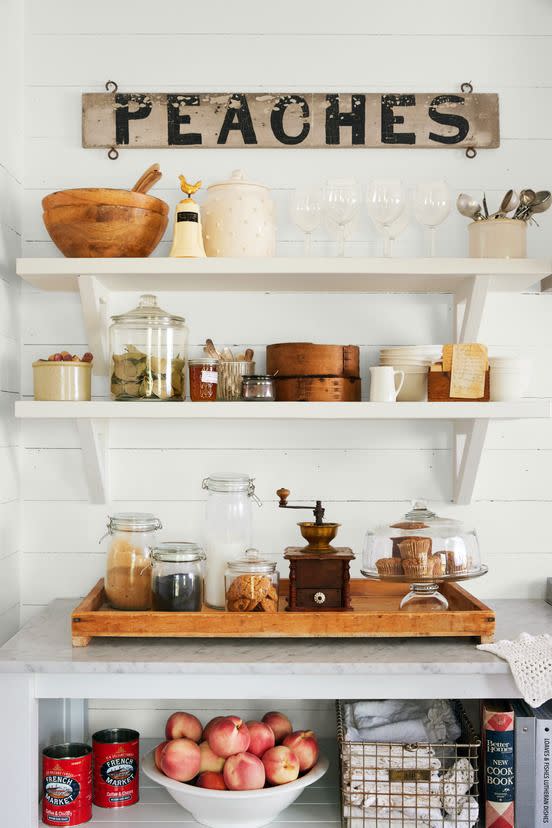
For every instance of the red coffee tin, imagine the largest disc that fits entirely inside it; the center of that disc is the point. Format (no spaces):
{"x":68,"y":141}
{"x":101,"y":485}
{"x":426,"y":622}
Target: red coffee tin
{"x":67,"y":784}
{"x":116,"y":757}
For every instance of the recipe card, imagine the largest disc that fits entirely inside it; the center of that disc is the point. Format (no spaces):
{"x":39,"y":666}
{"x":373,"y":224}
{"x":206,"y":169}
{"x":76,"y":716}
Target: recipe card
{"x":469,"y":364}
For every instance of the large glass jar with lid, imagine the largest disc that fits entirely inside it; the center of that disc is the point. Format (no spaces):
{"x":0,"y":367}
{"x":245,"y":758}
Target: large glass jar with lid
{"x":228,"y":528}
{"x":423,"y":550}
{"x":148,"y":353}
{"x":130,"y":538}
{"x":252,"y":584}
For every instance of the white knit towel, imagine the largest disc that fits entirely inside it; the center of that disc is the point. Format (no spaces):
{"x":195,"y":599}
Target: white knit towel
{"x":530,"y":660}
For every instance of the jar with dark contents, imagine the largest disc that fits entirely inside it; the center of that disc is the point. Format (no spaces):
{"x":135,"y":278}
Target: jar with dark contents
{"x":177,"y":577}
{"x":203,"y":379}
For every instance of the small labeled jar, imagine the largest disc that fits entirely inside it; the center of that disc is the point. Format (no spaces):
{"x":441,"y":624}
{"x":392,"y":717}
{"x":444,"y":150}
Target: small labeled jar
{"x":252,"y":584}
{"x":131,"y":537}
{"x":177,"y":577}
{"x":203,"y":379}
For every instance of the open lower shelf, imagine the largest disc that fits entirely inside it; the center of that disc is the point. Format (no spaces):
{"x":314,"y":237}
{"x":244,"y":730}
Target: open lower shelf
{"x":109,"y":409}
{"x":471,"y":421}
{"x":318,"y":805}
{"x":286,"y":274}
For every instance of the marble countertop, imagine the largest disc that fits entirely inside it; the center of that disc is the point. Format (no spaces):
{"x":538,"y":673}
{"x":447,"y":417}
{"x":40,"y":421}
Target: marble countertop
{"x":44,"y":646}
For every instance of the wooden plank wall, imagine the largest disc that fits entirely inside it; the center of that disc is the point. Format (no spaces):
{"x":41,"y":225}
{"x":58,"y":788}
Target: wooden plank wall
{"x":11,"y":192}
{"x":367,"y":473}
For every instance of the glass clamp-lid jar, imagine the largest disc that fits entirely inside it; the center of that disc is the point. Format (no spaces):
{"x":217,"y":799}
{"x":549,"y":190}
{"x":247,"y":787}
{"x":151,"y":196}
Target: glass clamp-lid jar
{"x":252,"y":584}
{"x":131,"y":537}
{"x":228,"y":527}
{"x":148,"y":353}
{"x":177,"y":577}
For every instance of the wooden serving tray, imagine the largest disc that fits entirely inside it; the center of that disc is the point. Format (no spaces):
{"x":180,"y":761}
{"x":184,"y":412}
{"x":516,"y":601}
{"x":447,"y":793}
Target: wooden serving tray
{"x":375,"y":614}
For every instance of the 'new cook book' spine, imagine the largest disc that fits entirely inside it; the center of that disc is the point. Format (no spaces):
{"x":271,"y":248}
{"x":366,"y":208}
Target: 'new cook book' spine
{"x":498,"y":763}
{"x":525,"y":765}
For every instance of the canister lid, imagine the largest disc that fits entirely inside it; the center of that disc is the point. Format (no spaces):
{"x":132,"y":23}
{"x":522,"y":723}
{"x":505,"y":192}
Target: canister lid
{"x":149,"y":313}
{"x":252,"y":562}
{"x":178,"y":552}
{"x":237,"y":178}
{"x":228,"y":482}
{"x":133,"y":522}
{"x":203,"y":361}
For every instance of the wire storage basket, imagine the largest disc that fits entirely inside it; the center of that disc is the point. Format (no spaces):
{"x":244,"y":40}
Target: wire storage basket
{"x":394,"y":785}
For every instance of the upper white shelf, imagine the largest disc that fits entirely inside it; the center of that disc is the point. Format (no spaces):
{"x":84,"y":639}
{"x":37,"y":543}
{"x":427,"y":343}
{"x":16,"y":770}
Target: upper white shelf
{"x":127,"y":410}
{"x":286,"y":274}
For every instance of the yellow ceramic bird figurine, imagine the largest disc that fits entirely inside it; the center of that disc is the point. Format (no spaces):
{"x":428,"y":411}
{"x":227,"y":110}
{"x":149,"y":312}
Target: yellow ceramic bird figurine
{"x":189,"y":189}
{"x":187,"y":238}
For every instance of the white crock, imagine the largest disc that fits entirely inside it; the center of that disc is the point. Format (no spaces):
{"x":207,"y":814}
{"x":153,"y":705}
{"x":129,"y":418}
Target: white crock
{"x":239,"y":219}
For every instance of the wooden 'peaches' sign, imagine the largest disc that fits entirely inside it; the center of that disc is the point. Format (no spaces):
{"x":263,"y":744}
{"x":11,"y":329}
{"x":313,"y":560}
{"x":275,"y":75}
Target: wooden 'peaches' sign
{"x":228,"y":119}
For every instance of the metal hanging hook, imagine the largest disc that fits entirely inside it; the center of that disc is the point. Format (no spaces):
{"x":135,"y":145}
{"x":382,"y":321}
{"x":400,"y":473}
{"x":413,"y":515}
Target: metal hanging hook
{"x":471,"y":152}
{"x":113,"y":154}
{"x":467,"y":87}
{"x":111,"y":86}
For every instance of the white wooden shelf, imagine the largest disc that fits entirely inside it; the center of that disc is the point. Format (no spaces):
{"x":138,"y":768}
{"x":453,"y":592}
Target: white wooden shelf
{"x":470,"y":420}
{"x":286,"y":274}
{"x":127,"y":410}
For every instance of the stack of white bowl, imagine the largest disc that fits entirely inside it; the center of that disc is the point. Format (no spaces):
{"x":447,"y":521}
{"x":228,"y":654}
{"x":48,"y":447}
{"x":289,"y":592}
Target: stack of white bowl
{"x":414,"y":360}
{"x":509,"y":377}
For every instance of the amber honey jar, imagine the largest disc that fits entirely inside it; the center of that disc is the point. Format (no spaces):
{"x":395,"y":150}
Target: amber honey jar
{"x":203,"y":379}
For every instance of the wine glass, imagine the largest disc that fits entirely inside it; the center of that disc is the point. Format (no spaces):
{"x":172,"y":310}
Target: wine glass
{"x":305,"y":210}
{"x":385,"y":200}
{"x":342,"y":197}
{"x":394,"y":230}
{"x":431,"y":205}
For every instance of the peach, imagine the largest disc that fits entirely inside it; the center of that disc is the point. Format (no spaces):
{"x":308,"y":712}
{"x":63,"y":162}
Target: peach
{"x":212,"y":780}
{"x":244,"y":772}
{"x":261,"y":738}
{"x":281,"y":765}
{"x":229,"y":736}
{"x":209,"y":760}
{"x":181,"y":759}
{"x":279,"y":724}
{"x":157,"y":755}
{"x":305,"y":746}
{"x":209,"y":726}
{"x":183,"y":726}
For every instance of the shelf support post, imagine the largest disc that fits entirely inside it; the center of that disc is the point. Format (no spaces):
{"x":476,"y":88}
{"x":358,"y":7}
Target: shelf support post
{"x":475,"y":298}
{"x":95,"y":457}
{"x":469,"y":441}
{"x":94,"y":311}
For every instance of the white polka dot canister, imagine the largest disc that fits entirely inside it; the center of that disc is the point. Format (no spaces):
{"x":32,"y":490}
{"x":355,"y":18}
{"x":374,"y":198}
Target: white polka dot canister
{"x":239,"y":219}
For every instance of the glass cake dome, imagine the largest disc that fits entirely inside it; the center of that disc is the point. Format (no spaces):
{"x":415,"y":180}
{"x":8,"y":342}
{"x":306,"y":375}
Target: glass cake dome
{"x":423,"y":550}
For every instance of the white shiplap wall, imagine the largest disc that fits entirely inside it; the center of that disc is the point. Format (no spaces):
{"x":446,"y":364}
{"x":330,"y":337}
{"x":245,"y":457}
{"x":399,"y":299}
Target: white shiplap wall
{"x":366,"y":473}
{"x":11,"y":192}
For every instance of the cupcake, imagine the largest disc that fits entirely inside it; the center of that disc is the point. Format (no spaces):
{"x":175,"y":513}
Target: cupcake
{"x":437,"y":564}
{"x":455,"y":565}
{"x":389,"y":566}
{"x":413,"y":568}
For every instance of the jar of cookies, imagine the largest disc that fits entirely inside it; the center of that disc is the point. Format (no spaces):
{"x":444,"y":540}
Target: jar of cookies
{"x":252,"y":584}
{"x":423,"y":550}
{"x":130,"y":538}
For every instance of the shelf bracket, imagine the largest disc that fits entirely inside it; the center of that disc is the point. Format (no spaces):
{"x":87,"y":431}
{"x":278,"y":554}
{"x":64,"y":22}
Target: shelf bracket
{"x":93,"y":436}
{"x":94,"y":310}
{"x":469,"y":441}
{"x":474,"y":298}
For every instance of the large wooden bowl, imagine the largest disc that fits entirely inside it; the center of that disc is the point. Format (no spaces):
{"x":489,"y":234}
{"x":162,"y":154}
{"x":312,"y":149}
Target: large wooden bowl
{"x":105,"y":223}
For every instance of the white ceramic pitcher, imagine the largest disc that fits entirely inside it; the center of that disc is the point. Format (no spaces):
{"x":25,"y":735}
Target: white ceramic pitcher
{"x":383,"y":386}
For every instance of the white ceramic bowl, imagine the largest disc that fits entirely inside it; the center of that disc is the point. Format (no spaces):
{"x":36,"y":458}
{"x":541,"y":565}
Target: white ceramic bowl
{"x":234,"y":809}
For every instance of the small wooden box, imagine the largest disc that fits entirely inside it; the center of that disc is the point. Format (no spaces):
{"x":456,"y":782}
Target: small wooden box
{"x":438,"y":388}
{"x":319,"y":581}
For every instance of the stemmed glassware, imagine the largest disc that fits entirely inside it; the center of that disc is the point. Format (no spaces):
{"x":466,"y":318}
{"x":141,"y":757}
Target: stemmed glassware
{"x":342,"y":198}
{"x":305,"y":210}
{"x":431,"y":205}
{"x":386,"y":201}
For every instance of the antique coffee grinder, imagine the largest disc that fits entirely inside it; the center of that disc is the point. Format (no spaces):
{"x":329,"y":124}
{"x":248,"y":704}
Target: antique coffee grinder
{"x":318,"y":572}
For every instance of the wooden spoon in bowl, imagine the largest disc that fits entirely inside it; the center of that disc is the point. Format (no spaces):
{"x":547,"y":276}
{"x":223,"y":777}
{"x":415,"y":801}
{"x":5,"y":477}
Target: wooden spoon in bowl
{"x":148,"y":178}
